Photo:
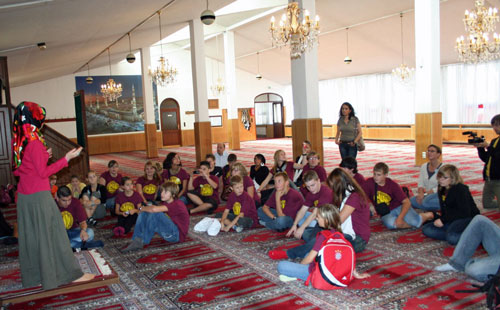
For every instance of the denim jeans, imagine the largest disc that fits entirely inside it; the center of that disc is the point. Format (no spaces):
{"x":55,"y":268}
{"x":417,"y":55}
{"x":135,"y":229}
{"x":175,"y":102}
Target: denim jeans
{"x":450,"y":232}
{"x":429,"y":203}
{"x":184,"y":199}
{"x":150,"y":223}
{"x":110,"y":205}
{"x":480,"y":230}
{"x":412,"y":218}
{"x":491,"y":190}
{"x":348,"y":151}
{"x":279,"y":224}
{"x":313,"y":222}
{"x":74,"y":237}
{"x":294,"y":270}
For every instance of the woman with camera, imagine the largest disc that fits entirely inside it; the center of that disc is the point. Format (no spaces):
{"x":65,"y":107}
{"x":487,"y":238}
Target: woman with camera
{"x":348,"y":131}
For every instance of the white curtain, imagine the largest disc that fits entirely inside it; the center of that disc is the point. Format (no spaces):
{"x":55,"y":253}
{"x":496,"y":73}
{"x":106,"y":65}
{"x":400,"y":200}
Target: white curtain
{"x":470,"y":94}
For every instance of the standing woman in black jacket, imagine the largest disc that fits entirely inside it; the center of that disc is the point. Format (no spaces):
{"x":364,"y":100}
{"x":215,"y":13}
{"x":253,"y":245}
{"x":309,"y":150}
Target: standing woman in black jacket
{"x":457,"y":207}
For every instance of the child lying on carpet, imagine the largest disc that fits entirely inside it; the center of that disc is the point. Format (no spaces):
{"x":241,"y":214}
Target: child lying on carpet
{"x":328,"y":217}
{"x":170,"y":220}
{"x":127,"y":207}
{"x":240,"y":212}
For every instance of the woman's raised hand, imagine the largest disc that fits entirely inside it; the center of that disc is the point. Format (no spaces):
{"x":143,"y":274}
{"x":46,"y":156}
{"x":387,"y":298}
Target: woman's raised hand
{"x":73,"y":153}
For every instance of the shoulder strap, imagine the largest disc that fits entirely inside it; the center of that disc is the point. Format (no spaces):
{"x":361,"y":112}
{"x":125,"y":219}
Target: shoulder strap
{"x":327,"y":234}
{"x":375,"y":194}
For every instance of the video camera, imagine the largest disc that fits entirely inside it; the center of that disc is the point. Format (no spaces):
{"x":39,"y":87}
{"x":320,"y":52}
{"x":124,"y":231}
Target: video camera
{"x":473,"y":138}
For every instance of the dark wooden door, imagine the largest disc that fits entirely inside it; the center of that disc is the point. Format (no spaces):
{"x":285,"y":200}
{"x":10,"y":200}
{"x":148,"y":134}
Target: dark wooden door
{"x":278,"y":125}
{"x":170,"y":122}
{"x":5,"y":147}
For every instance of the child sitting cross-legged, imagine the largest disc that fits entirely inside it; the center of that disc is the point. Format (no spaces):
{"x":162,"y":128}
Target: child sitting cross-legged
{"x":240,"y":210}
{"x":203,"y":190}
{"x":328,"y":217}
{"x":127,"y":207}
{"x":170,"y":219}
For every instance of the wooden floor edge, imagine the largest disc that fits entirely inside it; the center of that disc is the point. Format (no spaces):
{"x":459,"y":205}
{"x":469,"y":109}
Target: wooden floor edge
{"x":61,"y":290}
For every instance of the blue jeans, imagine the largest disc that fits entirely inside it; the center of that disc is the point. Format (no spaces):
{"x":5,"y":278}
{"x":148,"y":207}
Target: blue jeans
{"x":313,"y":222}
{"x":184,"y":199}
{"x":480,"y":230}
{"x":429,"y":203}
{"x":74,"y":237}
{"x":294,"y":270}
{"x":150,"y":223}
{"x":348,"y":151}
{"x":412,"y":218}
{"x":110,"y":204}
{"x":450,"y":232}
{"x":279,"y":224}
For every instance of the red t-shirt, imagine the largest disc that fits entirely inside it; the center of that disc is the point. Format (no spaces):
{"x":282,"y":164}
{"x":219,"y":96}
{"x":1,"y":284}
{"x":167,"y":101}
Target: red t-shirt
{"x":322,"y":197}
{"x":178,"y":213}
{"x":248,"y":183}
{"x":203,"y":188}
{"x":73,"y":215}
{"x":176,"y":178}
{"x":34,"y":173}
{"x":112,"y":183}
{"x":361,"y":216}
{"x":149,"y":187}
{"x":290,"y":203}
{"x":360,"y":179}
{"x":128,"y":203}
{"x":243,"y":203}
{"x":319,"y":170}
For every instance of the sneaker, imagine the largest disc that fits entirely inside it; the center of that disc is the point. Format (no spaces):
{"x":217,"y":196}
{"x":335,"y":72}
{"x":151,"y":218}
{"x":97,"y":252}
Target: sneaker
{"x":203,"y":225}
{"x":91,"y":221}
{"x":136,"y":244}
{"x":284,"y":278}
{"x":277,"y":254}
{"x":214,"y":228}
{"x":118,"y":231}
{"x":445,"y":267}
{"x":237,"y":228}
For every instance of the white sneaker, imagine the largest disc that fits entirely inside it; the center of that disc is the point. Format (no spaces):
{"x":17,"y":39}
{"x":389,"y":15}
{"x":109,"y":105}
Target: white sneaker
{"x":445,"y":267}
{"x":203,"y":225}
{"x":237,"y":228}
{"x":284,"y":278}
{"x":214,"y":228}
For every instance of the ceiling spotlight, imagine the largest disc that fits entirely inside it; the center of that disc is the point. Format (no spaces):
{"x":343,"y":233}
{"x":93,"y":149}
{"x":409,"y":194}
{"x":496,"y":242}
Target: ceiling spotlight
{"x":89,"y":80}
{"x":208,"y":16}
{"x":347,"y":60}
{"x":42,"y":46}
{"x":258,"y":76}
{"x":130,"y":56}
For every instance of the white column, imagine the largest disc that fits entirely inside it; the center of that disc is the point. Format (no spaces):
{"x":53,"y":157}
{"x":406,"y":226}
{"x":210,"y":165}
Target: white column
{"x":198,"y":69}
{"x":427,"y":74}
{"x":305,"y":76}
{"x":147,"y":86}
{"x":230,"y":74}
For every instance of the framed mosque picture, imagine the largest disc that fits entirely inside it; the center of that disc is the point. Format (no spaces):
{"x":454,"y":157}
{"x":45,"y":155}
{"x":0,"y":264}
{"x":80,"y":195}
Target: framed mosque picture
{"x":124,"y":114}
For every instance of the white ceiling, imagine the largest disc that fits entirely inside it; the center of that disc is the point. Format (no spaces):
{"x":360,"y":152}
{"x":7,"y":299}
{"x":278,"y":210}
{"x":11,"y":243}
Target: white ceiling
{"x":77,"y":30}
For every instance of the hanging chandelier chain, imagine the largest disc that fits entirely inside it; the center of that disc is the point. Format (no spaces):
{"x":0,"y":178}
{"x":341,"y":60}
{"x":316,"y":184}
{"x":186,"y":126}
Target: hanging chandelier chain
{"x":161,"y":37}
{"x":402,"y":46}
{"x":109,"y":63}
{"x":129,"y":43}
{"x":347,"y":40}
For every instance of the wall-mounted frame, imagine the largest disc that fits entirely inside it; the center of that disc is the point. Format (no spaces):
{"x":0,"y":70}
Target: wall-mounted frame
{"x":216,"y":121}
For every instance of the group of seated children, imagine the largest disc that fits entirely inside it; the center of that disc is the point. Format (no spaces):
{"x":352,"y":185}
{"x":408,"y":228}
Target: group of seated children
{"x":297,"y":197}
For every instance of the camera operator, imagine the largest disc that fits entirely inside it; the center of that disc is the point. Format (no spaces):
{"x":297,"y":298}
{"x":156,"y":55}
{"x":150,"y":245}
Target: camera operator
{"x":490,"y":155}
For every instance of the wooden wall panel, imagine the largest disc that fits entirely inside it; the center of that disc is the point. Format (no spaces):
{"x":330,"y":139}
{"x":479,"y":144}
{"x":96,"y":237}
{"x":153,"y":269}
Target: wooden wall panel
{"x":187,"y":137}
{"x":234,"y":134}
{"x":151,"y":144}
{"x":203,"y":140}
{"x":307,"y":129}
{"x":247,"y":135}
{"x":269,"y":131}
{"x":428,"y":130}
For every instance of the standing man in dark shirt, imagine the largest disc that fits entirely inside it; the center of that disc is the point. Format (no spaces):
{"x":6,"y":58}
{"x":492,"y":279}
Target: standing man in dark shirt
{"x":490,"y":155}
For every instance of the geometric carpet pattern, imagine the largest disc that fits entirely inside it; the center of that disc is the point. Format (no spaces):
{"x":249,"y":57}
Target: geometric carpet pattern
{"x":233,"y":271}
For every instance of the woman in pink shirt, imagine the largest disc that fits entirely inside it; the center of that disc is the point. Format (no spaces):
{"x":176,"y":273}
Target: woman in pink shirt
{"x":45,"y":255}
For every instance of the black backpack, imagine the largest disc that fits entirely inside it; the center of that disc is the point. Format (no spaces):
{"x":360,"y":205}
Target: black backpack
{"x":492,"y":290}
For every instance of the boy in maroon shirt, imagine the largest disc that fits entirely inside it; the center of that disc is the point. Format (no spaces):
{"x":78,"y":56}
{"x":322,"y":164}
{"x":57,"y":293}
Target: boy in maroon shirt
{"x":282,"y":207}
{"x":127,"y":207}
{"x":170,"y":219}
{"x":240,"y":210}
{"x":203,"y":190}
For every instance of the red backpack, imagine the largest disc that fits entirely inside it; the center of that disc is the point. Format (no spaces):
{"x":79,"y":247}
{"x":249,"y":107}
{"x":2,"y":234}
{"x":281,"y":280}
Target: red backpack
{"x":334,"y":264}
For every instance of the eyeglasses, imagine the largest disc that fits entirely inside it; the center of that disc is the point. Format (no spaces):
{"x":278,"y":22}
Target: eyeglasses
{"x":313,"y":158}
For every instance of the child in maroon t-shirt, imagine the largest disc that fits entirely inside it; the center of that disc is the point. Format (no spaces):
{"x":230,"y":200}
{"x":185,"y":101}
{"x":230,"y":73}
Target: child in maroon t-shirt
{"x":148,"y":184}
{"x":240,"y":210}
{"x":203,"y":190}
{"x":127,"y":207}
{"x":170,"y":219}
{"x":112,"y":180}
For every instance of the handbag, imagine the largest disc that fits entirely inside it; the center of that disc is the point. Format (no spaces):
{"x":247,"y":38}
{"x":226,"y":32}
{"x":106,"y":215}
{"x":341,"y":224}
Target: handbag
{"x":361,"y":142}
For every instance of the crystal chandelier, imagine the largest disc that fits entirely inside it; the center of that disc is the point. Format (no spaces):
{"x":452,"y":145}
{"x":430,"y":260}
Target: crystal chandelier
{"x":403,"y":72}
{"x":111,"y":90}
{"x":218,"y":88}
{"x":300,"y":36}
{"x":477,"y":47}
{"x":164,"y":73}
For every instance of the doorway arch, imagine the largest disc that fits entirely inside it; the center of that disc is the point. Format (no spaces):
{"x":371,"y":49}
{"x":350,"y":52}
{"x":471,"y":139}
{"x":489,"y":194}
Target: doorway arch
{"x":170,"y":122}
{"x":269,"y":115}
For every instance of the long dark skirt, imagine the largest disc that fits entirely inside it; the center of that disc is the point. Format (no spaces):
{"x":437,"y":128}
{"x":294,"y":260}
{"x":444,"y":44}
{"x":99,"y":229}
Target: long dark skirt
{"x":45,"y":255}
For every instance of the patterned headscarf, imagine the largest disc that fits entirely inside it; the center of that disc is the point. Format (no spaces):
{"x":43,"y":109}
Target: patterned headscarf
{"x":28,"y":120}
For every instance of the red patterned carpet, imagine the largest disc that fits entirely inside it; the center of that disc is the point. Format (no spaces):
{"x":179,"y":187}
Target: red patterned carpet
{"x":232,"y":270}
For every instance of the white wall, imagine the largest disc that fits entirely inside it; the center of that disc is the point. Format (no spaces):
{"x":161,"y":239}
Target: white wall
{"x":56,"y":95}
